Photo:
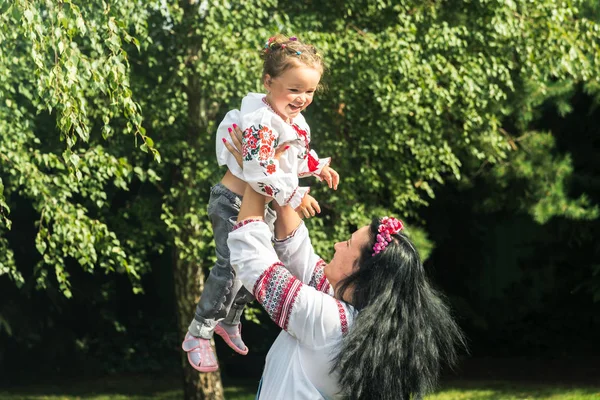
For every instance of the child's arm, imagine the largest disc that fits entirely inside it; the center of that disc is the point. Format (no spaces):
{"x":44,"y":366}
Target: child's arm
{"x":319,"y":167}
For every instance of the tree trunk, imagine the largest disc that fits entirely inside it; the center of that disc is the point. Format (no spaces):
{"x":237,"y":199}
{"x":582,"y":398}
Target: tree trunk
{"x":189,"y":282}
{"x":189,"y":276}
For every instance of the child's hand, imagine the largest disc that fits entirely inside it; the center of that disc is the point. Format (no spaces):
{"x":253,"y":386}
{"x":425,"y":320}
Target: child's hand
{"x":308,"y":207}
{"x":330,"y":175}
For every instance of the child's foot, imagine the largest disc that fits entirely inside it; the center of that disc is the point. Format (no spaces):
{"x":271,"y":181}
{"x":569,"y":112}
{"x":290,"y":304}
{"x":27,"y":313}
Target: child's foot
{"x":200,"y":353}
{"x":232,"y":334}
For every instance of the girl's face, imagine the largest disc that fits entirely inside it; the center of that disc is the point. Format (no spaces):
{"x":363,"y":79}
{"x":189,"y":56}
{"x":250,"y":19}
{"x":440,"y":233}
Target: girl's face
{"x":293,"y":91}
{"x":344,"y":258}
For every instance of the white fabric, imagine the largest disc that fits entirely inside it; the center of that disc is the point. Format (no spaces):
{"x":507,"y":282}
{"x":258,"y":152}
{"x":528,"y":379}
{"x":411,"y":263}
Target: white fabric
{"x":298,"y":363}
{"x":253,"y":114}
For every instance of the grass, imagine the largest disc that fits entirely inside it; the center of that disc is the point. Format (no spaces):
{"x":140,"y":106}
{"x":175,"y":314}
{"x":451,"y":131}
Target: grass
{"x":161,"y":388}
{"x":474,"y":390}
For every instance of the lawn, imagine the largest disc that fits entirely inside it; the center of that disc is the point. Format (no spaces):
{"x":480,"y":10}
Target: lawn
{"x":157,"y":388}
{"x":475,"y":390}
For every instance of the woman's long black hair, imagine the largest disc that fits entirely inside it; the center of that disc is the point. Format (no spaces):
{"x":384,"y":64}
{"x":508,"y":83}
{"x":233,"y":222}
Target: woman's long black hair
{"x":403,"y":332}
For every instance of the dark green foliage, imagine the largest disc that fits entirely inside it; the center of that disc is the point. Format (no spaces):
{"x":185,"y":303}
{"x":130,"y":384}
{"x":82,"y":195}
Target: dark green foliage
{"x":523,"y":277}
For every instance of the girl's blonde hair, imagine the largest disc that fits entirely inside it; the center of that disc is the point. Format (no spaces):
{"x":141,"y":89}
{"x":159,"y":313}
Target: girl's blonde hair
{"x":281,"y":53}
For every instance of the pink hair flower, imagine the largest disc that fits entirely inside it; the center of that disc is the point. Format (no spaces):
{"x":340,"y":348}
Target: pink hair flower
{"x":387,"y":227}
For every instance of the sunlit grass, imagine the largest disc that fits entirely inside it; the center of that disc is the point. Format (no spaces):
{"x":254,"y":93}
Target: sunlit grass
{"x":513,"y":391}
{"x":136,"y":390}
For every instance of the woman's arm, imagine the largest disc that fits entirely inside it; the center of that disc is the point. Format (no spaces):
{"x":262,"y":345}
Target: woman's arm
{"x":253,"y":205}
{"x":311,"y":316}
{"x":294,"y":249}
{"x":287,"y":221}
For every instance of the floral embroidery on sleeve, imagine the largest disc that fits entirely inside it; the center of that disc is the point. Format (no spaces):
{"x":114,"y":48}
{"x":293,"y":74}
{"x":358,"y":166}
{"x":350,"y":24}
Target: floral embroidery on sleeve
{"x":271,"y":168}
{"x":292,"y":195}
{"x":259,"y":143}
{"x":269,"y":190}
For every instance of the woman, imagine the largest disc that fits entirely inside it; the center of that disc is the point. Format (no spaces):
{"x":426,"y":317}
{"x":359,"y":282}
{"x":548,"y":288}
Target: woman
{"x":366,"y":325}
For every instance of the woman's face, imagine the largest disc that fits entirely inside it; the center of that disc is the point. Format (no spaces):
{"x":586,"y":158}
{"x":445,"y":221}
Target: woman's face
{"x":345,"y":256}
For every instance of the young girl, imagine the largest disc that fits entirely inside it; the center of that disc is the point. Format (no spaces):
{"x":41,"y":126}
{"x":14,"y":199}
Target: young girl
{"x":272,"y":123}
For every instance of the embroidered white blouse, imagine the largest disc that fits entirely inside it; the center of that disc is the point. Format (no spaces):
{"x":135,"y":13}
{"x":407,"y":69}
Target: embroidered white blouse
{"x":288,"y":281}
{"x":264,"y":131}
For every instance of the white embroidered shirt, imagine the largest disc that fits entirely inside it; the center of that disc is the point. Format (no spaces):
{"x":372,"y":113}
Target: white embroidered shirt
{"x":264,"y":131}
{"x":288,"y":281}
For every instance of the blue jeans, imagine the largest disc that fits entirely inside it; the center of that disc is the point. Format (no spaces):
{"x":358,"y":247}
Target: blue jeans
{"x":224,"y":297}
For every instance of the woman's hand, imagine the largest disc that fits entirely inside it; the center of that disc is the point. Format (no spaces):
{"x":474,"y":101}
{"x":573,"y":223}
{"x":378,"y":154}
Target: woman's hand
{"x":330,"y":176}
{"x":236,"y":148}
{"x":308,"y":207}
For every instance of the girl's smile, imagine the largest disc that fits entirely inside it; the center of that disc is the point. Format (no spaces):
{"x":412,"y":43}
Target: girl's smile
{"x":293,"y":91}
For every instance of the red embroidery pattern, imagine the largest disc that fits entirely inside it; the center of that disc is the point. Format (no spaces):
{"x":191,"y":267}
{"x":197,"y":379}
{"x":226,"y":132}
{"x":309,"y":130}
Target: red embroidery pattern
{"x":276,"y":290}
{"x":343,"y":318}
{"x":318,"y":279}
{"x":245,"y":222}
{"x":269,"y":190}
{"x":259,"y":143}
{"x":304,"y":135}
{"x":291,"y":196}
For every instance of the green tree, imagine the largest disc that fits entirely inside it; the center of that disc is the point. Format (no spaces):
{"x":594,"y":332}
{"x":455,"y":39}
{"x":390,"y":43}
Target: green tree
{"x":418,"y":92}
{"x":202,"y":60}
{"x":59,"y":69}
{"x":179,"y":67}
